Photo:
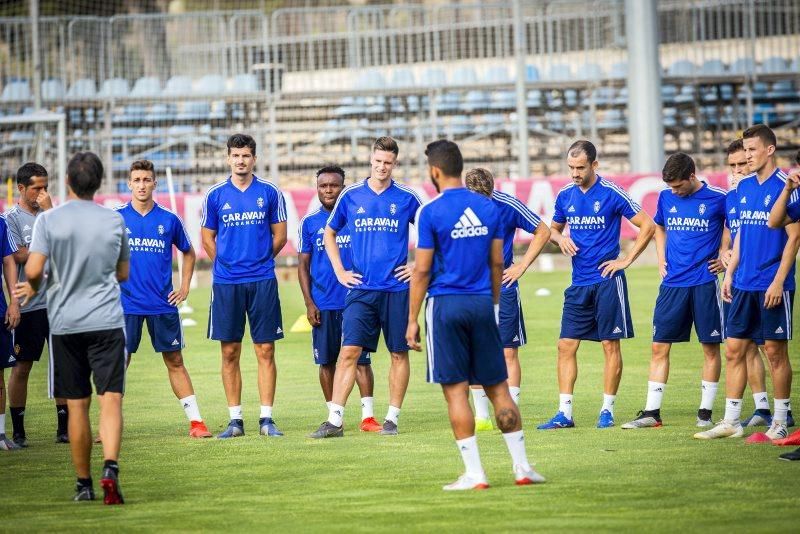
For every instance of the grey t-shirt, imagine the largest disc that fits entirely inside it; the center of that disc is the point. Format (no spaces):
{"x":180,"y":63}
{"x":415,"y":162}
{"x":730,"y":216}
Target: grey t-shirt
{"x":20,"y":223}
{"x":83,"y":243}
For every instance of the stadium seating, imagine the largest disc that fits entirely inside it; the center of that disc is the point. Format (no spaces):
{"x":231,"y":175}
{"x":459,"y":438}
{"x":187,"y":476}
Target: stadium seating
{"x":242,"y":84}
{"x":178,"y":86}
{"x":146,"y":87}
{"x":681,"y":68}
{"x":16,"y":91}
{"x":83,"y":89}
{"x":114,"y":88}
{"x":53,"y":89}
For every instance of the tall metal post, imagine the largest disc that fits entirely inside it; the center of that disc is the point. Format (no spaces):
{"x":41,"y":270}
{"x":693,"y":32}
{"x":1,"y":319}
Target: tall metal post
{"x":37,"y":76}
{"x":520,"y":39}
{"x":645,"y":126}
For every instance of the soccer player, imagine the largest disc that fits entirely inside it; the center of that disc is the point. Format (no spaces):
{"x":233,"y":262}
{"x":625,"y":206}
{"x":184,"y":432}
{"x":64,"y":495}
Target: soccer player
{"x":148,"y":294}
{"x":324,"y":296}
{"x":596,"y":305}
{"x":756,"y":374}
{"x":376,"y":212}
{"x":33,"y":329}
{"x":88,"y":255}
{"x":11,"y":317}
{"x":690,"y":223}
{"x":759,"y":284}
{"x":459,"y":264}
{"x":243,"y":230}
{"x":513,"y":214}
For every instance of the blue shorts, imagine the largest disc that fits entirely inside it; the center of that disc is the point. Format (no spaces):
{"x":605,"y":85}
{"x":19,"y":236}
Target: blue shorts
{"x":677,"y":308}
{"x":166,"y":334}
{"x":326,"y":339}
{"x":366,"y":312}
{"x":259,"y":301}
{"x":597,"y":312}
{"x":463,"y":341}
{"x":7,"y":358}
{"x":512,"y":324}
{"x":749,"y":319}
{"x":726,"y":310}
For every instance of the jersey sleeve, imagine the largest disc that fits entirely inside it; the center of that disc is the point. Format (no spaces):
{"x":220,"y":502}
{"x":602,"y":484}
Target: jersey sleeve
{"x":793,"y":207}
{"x":524,"y":217}
{"x":180,"y":238}
{"x":426,"y":237}
{"x":413,"y":208}
{"x":498,"y":232}
{"x":658,"y":218}
{"x":304,"y":238}
{"x":210,"y":218}
{"x":124,"y":249}
{"x":13,"y":227}
{"x":338,"y":217}
{"x":625,"y":204}
{"x":9,"y":246}
{"x":39,"y":239}
{"x":558,"y":210}
{"x":278,"y":214}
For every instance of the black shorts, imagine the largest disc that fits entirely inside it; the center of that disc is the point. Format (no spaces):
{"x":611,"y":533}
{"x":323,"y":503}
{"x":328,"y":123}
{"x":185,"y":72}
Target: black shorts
{"x":76,"y":358}
{"x":30,"y":334}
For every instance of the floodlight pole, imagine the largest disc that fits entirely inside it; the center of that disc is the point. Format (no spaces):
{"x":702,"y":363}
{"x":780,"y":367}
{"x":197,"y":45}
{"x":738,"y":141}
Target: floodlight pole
{"x":37,"y":75}
{"x":520,"y":40}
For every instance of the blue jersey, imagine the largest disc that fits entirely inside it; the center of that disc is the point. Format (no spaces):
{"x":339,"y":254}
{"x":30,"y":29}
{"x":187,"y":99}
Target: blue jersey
{"x":7,"y":248}
{"x":760,"y":247}
{"x":242,"y":221}
{"x":459,"y":226}
{"x":593,"y":219}
{"x":693,"y":225}
{"x":326,"y":291}
{"x":732,"y":214}
{"x":513,"y":214}
{"x":150,"y":238}
{"x":793,"y":206}
{"x":378,"y":226}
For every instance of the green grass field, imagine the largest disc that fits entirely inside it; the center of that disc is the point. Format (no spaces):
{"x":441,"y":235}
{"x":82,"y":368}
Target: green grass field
{"x":653,"y":479}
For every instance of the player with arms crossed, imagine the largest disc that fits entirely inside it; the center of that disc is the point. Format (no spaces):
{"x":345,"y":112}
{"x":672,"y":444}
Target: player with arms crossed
{"x":87,"y":253}
{"x":33,"y":329}
{"x":377,"y":212}
{"x":459,"y":264}
{"x":243,"y":230}
{"x":324,"y":296}
{"x":513,"y":214}
{"x":596,"y":305}
{"x":690,"y":223}
{"x":148,"y":295}
{"x":11,"y":315}
{"x":759,"y":284}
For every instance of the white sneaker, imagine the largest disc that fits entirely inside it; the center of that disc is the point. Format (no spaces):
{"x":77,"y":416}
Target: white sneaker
{"x":724,"y":429}
{"x":468,"y":482}
{"x":777,"y":430}
{"x":524,"y":476}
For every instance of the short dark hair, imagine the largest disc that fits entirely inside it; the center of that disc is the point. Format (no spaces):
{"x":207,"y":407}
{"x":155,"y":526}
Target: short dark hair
{"x":679,"y":166}
{"x":763,"y":132}
{"x":331,"y":169}
{"x":386,"y":144}
{"x":797,"y":157}
{"x":28,"y":171}
{"x":734,"y":147}
{"x":445,"y":156}
{"x":143,"y":165}
{"x":480,"y":180}
{"x":85,"y":174}
{"x":583,"y":146}
{"x":242,"y":141}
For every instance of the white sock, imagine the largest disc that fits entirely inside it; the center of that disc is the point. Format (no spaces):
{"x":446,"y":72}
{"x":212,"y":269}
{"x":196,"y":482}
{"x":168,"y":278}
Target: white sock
{"x":514,"y":391}
{"x":392,"y":414}
{"x":733,"y":409}
{"x":761,"y":400}
{"x":235,"y":412}
{"x":266,"y":411}
{"x":2,"y":423}
{"x":708,"y":392}
{"x":470,"y":455}
{"x":191,"y":408}
{"x":781,"y":410}
{"x":655,"y":393}
{"x":335,"y":414}
{"x":481,"y":402}
{"x":608,"y":402}
{"x":515,"y":441}
{"x":367,"y":407}
{"x":565,"y":404}
{"x":328,"y":404}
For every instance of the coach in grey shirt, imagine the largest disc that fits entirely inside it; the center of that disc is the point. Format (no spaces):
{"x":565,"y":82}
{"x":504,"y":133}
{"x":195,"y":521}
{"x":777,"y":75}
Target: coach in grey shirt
{"x":87,"y":249}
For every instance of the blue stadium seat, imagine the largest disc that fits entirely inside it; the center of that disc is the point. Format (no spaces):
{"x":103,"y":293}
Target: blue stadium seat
{"x":396,"y":105}
{"x":669,"y":117}
{"x":403,"y":78}
{"x":161,"y":112}
{"x":447,"y":101}
{"x":413,"y":103}
{"x":745,"y":65}
{"x":196,"y":110}
{"x":772,"y":65}
{"x":619,"y":70}
{"x":590,"y":71}
{"x":475,"y":100}
{"x":16,"y":91}
{"x":533,"y":99}
{"x":375,"y":105}
{"x":571,"y":97}
{"x":148,"y":86}
{"x":53,"y":89}
{"x":210,"y":84}
{"x":611,"y":119}
{"x":531,"y":73}
{"x":621,"y":96}
{"x":434,"y":77}
{"x":795,"y":64}
{"x":560,"y":72}
{"x":217,"y":111}
{"x":712,"y":67}
{"x":503,"y":100}
{"x":83,"y":88}
{"x":370,"y":80}
{"x":243,"y":84}
{"x":682,"y":67}
{"x":178,"y":86}
{"x":668,"y":93}
{"x":687,"y":94}
{"x":603,"y":95}
{"x":555,"y":120}
{"x":131,"y":113}
{"x":782,"y":89}
{"x":114,"y":88}
{"x":464,"y":76}
{"x":498,"y":75}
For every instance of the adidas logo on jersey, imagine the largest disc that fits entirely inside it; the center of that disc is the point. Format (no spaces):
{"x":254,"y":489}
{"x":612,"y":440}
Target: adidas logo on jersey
{"x":673,"y":209}
{"x":714,"y":333}
{"x":175,"y":342}
{"x":226,"y":206}
{"x":767,"y":199}
{"x":743,"y":201}
{"x":279,"y":330}
{"x":321,"y":231}
{"x":733,"y":210}
{"x":128,"y":231}
{"x":26,"y":227}
{"x":779,"y":330}
{"x":468,"y":225}
{"x":617,"y":330}
{"x":361,"y":210}
{"x":571,"y":209}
